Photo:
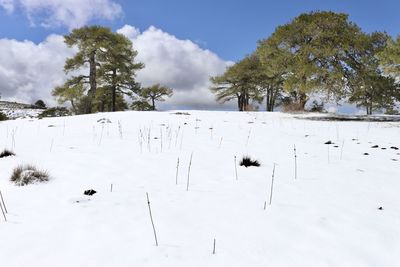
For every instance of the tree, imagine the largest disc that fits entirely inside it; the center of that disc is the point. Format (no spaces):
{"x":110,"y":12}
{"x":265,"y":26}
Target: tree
{"x":141,"y":105}
{"x":118,"y":70}
{"x":91,"y":42}
{"x":238,"y":82}
{"x":40,"y":104}
{"x":105,"y":102}
{"x":319,"y":47}
{"x":71,"y":91}
{"x":369,"y":86}
{"x":390,"y":57}
{"x":274,"y":67}
{"x":154,"y":93}
{"x":378,"y":92}
{"x":109,"y":57}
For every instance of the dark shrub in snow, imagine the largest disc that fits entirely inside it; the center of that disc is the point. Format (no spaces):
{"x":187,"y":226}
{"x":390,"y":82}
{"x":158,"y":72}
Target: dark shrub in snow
{"x":54,"y":112}
{"x":3,"y":117}
{"x":248,"y":162}
{"x":89,"y":192}
{"x":6,"y":153}
{"x":28,"y":174}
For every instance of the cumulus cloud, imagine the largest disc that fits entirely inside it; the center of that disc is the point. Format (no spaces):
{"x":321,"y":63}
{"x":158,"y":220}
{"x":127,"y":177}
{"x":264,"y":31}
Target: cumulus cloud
{"x":69,"y":13}
{"x":180,"y":64}
{"x":29,"y":71}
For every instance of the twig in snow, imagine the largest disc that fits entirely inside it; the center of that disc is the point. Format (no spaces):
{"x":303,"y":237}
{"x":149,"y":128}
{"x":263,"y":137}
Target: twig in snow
{"x":101,"y":135}
{"x":328,"y":155}
{"x":214,"y":246}
{"x":188,"y":175}
{"x":111,"y":188}
{"x":272,"y":188}
{"x":120,"y":129}
{"x":220,"y":142}
{"x":161,"y":137}
{"x":13,"y":139}
{"x":148,"y":140}
{"x":235,"y":168}
{"x":2,"y":210}
{"x":51,"y":145}
{"x":295,"y":163}
{"x":151,"y":218}
{"x":177,"y":170}
{"x":2,"y":201}
{"x":341,"y":150}
{"x":183,"y":131}
{"x":248,"y":137}
{"x":177,"y":134}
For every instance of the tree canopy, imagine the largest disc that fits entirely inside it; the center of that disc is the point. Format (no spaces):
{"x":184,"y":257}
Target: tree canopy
{"x":317,"y":52}
{"x":109,"y":59}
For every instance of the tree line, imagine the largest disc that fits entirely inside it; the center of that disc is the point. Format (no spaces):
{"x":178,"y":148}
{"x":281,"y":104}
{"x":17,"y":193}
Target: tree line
{"x":101,"y":75}
{"x":316,"y":53}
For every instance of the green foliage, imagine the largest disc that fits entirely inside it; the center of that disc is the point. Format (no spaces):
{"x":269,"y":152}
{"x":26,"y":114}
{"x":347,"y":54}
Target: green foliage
{"x":319,"y":46}
{"x":109,"y":58}
{"x":104,"y":101}
{"x":118,"y":68}
{"x":154,"y":93}
{"x":3,"y":117}
{"x":239,"y":82}
{"x":376,"y":93}
{"x":54,"y":112}
{"x":40,"y":104}
{"x":73,"y":92}
{"x":390,"y":57}
{"x":141,"y":105}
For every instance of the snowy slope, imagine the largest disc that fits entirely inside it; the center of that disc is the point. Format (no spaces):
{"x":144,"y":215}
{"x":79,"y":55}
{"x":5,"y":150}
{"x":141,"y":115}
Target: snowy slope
{"x":15,"y":110}
{"x":328,"y":216}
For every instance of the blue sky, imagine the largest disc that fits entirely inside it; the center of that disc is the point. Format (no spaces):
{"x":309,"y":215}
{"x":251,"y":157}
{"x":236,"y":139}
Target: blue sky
{"x":228,"y":28}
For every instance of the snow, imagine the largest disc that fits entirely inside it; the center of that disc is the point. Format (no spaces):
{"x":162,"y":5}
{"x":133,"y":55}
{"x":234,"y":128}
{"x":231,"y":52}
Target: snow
{"x":15,"y":110}
{"x":328,"y":216}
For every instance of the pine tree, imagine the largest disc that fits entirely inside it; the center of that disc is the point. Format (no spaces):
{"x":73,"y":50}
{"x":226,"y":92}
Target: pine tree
{"x":154,"y":93}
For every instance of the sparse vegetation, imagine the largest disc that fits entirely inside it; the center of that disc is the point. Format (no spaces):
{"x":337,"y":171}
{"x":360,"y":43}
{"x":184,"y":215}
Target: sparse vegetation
{"x":6,"y":153}
{"x":54,"y":112}
{"x":3,"y":117}
{"x":28,"y":174}
{"x":40,"y":104}
{"x":248,"y":162}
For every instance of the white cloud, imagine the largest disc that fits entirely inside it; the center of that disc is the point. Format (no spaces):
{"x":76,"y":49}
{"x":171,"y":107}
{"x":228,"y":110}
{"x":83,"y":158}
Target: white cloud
{"x":29,"y":71}
{"x":129,"y":31}
{"x":70,"y":13}
{"x":180,"y":64}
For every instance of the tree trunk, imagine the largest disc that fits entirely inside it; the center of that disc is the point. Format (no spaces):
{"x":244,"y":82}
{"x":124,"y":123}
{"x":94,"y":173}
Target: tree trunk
{"x":153,"y":104}
{"x":74,"y":107}
{"x":92,"y":82}
{"x":114,"y":89}
{"x":267,"y":100}
{"x":240,"y":105}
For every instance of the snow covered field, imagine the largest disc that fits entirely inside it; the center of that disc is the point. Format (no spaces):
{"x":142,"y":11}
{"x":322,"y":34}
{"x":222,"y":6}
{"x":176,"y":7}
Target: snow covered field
{"x":328,"y":216}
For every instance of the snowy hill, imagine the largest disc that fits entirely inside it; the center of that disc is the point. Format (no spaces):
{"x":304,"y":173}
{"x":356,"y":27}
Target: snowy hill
{"x":328,"y":216}
{"x":15,"y":110}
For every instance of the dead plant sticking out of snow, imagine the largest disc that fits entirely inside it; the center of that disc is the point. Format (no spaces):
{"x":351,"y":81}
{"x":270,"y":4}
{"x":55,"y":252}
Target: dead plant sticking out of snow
{"x":6,"y":153}
{"x":28,"y":174}
{"x":248,"y":162}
